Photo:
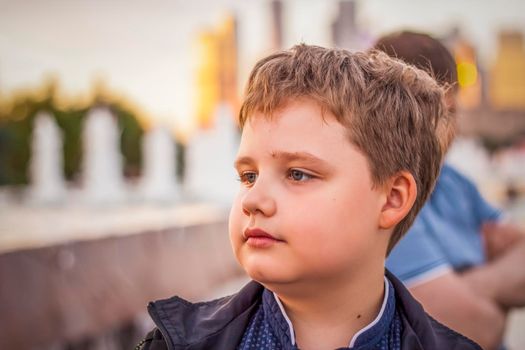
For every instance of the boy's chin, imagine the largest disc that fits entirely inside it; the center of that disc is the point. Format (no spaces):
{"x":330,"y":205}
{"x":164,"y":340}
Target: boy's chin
{"x":269,"y":270}
{"x":291,"y":285}
{"x":269,"y":277}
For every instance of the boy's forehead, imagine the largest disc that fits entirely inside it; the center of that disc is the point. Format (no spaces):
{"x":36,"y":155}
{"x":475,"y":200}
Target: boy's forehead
{"x":294,"y":133}
{"x":297,"y":129}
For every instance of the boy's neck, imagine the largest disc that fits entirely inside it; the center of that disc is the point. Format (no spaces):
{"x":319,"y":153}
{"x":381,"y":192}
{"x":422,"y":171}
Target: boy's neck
{"x":329,"y":317}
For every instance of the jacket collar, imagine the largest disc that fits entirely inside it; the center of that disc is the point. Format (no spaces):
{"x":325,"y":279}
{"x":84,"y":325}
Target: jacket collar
{"x":220,"y":324}
{"x":215,"y":324}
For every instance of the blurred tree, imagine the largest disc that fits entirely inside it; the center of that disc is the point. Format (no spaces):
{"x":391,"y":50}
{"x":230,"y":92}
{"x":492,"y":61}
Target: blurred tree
{"x":70,"y":122}
{"x":16,"y":124}
{"x":16,"y":127}
{"x":130,"y":140}
{"x":180,"y":160}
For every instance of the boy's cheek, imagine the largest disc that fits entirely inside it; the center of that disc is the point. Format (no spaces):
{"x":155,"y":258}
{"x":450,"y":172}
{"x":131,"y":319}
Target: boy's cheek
{"x":235,"y":223}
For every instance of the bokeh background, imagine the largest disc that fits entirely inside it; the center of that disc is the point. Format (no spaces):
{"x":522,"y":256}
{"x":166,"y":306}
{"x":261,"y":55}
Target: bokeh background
{"x":117,"y":137}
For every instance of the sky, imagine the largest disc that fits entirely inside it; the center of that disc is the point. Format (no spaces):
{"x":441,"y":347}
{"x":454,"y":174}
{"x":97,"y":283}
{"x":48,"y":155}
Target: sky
{"x":145,"y":50}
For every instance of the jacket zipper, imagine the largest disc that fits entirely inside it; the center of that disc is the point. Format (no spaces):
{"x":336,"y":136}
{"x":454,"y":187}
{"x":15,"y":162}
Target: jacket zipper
{"x":140,"y":344}
{"x":160,"y":326}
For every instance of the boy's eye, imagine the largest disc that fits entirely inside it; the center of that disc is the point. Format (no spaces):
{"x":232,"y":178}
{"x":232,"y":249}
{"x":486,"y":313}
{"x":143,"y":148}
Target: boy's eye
{"x":248,"y":177}
{"x":298,"y":175}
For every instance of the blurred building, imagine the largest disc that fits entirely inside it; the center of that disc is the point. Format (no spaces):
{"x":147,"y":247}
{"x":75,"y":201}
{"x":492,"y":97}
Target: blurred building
{"x":492,"y":98}
{"x":207,"y":77}
{"x":507,"y":75}
{"x":469,"y":77}
{"x":344,"y":27}
{"x":346,"y":32}
{"x":277,"y":24}
{"x":216,"y":72}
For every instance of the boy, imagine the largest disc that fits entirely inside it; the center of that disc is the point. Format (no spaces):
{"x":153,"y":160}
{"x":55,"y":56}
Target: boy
{"x":338,"y":153}
{"x":442,"y":259}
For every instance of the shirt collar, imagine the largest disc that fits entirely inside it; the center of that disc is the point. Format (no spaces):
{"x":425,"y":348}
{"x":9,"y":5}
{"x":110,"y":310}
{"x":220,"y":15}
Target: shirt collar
{"x":371,"y":332}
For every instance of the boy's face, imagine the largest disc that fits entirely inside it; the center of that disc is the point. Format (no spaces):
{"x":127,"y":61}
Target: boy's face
{"x":306,"y":209}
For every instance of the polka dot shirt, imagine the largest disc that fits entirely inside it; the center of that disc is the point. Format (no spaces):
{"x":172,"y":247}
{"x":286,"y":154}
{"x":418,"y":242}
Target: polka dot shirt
{"x":270,"y":328}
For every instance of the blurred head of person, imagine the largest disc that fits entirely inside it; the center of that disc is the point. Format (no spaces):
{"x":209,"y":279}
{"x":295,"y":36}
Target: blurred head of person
{"x":429,"y":54}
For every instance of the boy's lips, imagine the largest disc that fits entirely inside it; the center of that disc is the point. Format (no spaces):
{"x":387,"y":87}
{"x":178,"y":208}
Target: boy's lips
{"x":257,"y":232}
{"x":259,"y":238}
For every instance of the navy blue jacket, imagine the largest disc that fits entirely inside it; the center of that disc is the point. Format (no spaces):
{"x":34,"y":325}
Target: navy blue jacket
{"x":220,"y":324}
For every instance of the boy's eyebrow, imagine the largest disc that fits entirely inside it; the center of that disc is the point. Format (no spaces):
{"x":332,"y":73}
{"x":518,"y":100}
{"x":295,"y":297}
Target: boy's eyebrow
{"x":287,"y":156}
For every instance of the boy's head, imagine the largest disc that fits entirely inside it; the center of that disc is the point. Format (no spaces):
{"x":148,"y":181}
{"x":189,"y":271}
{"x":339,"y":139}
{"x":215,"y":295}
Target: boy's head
{"x":338,"y":154}
{"x":429,"y":54}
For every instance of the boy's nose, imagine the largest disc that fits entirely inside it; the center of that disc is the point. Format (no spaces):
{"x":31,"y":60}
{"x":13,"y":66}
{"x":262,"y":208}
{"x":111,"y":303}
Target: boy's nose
{"x":258,"y":200}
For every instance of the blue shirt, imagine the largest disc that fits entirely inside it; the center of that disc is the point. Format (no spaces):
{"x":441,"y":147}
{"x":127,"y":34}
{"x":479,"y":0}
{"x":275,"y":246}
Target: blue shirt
{"x":270,"y":328}
{"x":446,"y":233}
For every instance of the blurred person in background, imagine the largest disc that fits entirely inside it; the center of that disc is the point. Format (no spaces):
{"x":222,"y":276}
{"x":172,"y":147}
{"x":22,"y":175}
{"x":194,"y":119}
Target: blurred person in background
{"x":459,"y":259}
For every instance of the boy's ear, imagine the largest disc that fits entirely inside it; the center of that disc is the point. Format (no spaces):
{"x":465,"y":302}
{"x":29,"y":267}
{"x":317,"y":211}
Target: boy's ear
{"x":401,"y":192}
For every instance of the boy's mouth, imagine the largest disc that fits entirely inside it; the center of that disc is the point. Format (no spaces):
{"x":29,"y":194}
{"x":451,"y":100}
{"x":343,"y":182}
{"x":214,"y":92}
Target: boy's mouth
{"x":259,"y":238}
